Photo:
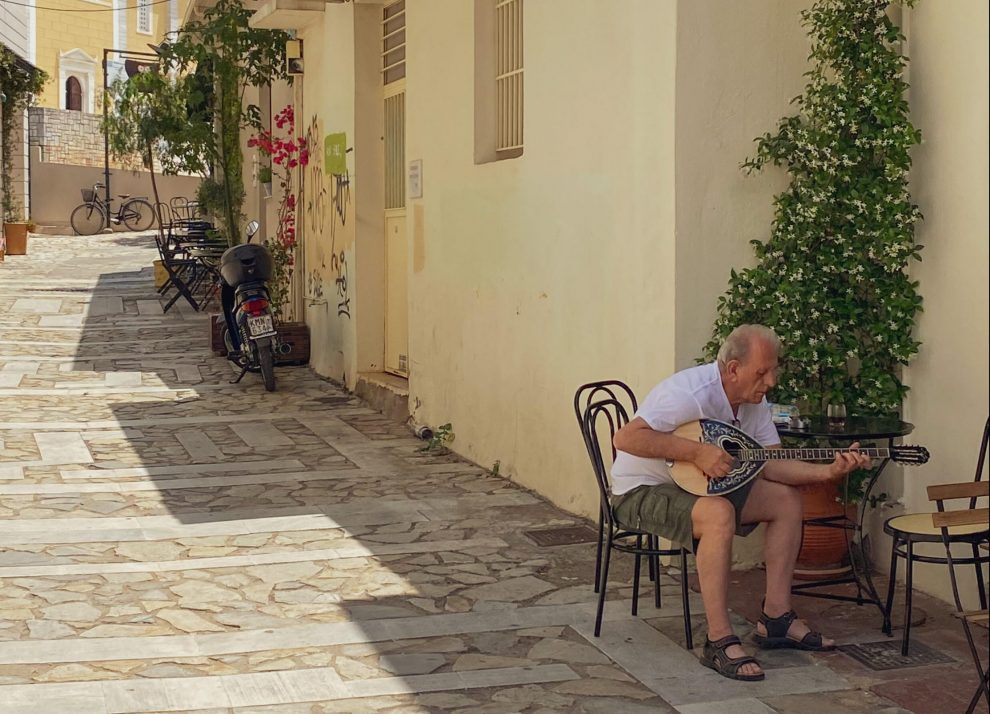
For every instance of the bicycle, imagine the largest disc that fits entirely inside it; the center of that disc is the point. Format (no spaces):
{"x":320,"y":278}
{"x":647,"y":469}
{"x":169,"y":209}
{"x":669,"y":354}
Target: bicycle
{"x":95,"y":213}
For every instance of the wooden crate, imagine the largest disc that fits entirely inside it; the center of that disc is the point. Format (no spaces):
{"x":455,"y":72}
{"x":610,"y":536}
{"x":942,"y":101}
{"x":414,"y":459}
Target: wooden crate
{"x":294,"y":334}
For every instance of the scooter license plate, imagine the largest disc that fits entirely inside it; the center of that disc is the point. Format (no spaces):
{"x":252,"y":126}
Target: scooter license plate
{"x":260,"y":325}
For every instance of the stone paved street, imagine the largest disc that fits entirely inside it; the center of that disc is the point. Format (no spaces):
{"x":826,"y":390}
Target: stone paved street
{"x":171,"y":542}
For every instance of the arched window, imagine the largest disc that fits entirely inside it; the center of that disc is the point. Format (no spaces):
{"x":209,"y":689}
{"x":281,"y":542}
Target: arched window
{"x":73,"y":94}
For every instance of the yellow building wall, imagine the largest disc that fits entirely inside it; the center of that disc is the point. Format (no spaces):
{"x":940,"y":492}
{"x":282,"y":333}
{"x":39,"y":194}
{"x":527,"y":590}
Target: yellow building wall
{"x":949,"y":377}
{"x":62,"y":30}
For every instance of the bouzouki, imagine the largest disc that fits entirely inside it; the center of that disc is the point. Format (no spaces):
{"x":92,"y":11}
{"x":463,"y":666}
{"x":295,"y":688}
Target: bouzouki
{"x":750,"y":457}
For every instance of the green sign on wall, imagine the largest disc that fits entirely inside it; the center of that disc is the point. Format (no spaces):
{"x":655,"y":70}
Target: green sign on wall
{"x":335,"y":153}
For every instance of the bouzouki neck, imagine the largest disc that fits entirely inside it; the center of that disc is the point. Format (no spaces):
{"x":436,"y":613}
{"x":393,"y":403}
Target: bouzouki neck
{"x":803,"y":454}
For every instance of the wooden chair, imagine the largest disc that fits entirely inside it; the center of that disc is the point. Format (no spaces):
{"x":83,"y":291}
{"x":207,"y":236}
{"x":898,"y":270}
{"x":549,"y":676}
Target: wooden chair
{"x":913,"y":528}
{"x":182,"y":274}
{"x":945,"y":521}
{"x":617,"y":536}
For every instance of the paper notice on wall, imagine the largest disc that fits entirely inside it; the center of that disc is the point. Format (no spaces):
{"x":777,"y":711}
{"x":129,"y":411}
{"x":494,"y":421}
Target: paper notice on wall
{"x":335,"y":153}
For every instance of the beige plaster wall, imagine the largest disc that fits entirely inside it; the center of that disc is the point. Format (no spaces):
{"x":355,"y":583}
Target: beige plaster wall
{"x":328,"y":107}
{"x":55,"y":188}
{"x":530,"y":276}
{"x":730,"y":89}
{"x":949,"y":377}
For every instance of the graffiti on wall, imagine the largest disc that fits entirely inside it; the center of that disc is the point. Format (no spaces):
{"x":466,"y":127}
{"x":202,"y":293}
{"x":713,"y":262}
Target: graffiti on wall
{"x":328,"y":198}
{"x":316,"y":185}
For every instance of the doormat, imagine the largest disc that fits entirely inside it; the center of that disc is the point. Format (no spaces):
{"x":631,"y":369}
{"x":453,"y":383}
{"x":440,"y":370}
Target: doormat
{"x":568,"y":535}
{"x":886,"y":654}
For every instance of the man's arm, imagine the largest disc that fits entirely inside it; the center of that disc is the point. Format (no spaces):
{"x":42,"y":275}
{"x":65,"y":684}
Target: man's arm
{"x":639,"y":439}
{"x":802,"y":473}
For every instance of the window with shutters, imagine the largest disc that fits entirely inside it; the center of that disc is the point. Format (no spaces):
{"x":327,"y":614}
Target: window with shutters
{"x":394,"y":42}
{"x":144,"y":17}
{"x":498,"y":76}
{"x":73,"y":94}
{"x":508,"y":76}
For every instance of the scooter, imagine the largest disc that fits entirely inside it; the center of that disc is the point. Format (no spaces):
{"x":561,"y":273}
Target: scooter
{"x":249,"y":333}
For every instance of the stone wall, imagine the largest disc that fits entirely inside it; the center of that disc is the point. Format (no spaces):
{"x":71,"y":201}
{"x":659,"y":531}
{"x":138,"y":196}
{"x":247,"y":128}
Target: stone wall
{"x":68,"y":137}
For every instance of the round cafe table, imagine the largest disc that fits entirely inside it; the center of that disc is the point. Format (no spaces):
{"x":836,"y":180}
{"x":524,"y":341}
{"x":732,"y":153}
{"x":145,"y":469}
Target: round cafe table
{"x":867,"y":430}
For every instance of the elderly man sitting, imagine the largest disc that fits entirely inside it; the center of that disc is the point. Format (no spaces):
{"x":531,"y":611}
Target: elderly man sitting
{"x":733,"y":389}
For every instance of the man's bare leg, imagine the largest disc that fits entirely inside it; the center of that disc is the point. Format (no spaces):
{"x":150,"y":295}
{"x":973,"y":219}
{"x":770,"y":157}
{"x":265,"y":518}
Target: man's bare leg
{"x":779,"y":506}
{"x":714,"y":523}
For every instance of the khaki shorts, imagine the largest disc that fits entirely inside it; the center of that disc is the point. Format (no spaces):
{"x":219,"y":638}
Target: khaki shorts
{"x":665,"y":510}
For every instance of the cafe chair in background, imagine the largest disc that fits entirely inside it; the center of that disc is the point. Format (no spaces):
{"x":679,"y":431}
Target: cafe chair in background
{"x":913,"y":528}
{"x":945,"y":521}
{"x":601,"y":418}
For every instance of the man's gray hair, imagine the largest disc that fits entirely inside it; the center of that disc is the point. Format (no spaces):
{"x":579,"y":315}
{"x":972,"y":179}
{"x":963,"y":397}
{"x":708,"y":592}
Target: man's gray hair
{"x":740,"y":341}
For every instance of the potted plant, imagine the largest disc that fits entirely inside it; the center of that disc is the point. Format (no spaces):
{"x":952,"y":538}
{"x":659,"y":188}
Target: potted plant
{"x":832,"y":279}
{"x":15,"y":233}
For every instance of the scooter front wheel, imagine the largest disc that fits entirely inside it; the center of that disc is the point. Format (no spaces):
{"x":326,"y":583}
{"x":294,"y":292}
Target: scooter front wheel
{"x":266,"y":360}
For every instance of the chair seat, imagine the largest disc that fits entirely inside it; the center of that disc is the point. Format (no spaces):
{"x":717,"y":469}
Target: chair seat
{"x":980,"y":617}
{"x":919,"y":526}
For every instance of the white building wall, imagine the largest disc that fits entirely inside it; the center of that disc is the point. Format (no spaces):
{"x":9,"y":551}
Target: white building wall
{"x":14,"y":34}
{"x":14,"y":25}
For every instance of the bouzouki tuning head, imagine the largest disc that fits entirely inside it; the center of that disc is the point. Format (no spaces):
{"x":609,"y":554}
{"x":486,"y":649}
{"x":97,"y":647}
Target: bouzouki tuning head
{"x":911,"y":455}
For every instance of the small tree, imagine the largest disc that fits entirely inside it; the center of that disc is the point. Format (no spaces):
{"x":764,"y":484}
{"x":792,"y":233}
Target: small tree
{"x":147,"y":115}
{"x":214,"y":60}
{"x":18,"y":87}
{"x":832,"y":279}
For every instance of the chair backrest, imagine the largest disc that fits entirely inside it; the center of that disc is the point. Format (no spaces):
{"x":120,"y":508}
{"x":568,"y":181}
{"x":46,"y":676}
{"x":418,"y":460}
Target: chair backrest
{"x":164,"y":215}
{"x":611,"y":413}
{"x":943,"y":519}
{"x":602,"y":389}
{"x":612,"y":388}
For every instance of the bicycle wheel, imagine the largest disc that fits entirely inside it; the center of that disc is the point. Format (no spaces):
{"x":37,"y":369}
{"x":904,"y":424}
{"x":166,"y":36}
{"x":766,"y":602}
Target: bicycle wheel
{"x":138,"y":215}
{"x":87,"y":219}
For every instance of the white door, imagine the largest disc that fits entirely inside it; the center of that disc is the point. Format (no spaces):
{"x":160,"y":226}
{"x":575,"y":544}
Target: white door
{"x":396,"y":246}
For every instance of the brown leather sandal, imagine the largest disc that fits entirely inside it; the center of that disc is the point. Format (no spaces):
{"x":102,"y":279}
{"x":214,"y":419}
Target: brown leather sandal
{"x":714,"y":657}
{"x":777,"y":637}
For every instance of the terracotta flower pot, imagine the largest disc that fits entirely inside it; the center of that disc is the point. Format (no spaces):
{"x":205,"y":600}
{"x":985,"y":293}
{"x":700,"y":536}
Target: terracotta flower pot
{"x":823,"y":550}
{"x":16,"y":235}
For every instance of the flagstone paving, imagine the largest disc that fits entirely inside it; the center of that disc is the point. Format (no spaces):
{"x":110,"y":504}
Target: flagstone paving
{"x":171,"y":542}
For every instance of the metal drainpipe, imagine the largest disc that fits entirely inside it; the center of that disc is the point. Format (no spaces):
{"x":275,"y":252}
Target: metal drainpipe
{"x":106,"y":142}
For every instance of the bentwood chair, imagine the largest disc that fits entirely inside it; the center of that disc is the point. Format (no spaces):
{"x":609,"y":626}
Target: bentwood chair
{"x":618,"y":537}
{"x":911,"y":529}
{"x":585,"y":394}
{"x":945,"y":521}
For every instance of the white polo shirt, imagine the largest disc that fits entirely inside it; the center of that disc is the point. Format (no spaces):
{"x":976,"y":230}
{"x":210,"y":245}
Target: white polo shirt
{"x":688,"y":395}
